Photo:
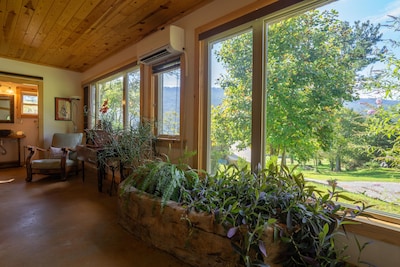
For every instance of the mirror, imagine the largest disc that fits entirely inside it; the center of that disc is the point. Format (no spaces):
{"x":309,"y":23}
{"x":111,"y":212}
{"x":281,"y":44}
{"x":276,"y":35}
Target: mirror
{"x":6,"y":109}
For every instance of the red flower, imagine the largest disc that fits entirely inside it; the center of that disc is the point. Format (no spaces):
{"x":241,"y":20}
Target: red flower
{"x":104,"y":107}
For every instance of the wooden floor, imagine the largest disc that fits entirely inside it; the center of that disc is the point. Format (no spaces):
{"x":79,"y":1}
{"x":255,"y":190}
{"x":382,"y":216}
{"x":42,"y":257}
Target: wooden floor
{"x":52,"y":223}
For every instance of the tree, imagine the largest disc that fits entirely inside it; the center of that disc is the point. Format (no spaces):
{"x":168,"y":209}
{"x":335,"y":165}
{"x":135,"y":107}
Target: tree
{"x":351,"y":141}
{"x":312,"y":65}
{"x":232,"y":119}
{"x":313,"y":60}
{"x":133,"y":103}
{"x":112,"y":92}
{"x":384,"y":126}
{"x":385,"y":121}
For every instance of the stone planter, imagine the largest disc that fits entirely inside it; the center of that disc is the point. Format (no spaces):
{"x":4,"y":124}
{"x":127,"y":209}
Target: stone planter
{"x":194,"y":238}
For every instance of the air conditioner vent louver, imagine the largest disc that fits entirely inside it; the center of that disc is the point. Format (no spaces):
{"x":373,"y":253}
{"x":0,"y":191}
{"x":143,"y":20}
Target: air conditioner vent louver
{"x":161,"y":45}
{"x":164,"y":53}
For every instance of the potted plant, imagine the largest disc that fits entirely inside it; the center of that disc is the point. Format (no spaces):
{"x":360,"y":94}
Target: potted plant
{"x":255,"y":209}
{"x":101,"y":134}
{"x":125,"y":148}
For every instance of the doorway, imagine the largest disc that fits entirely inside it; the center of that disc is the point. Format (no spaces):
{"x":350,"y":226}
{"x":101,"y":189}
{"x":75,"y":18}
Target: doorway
{"x":27,"y":93}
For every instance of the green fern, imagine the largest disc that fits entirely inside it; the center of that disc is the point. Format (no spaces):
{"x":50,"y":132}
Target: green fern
{"x":163,"y":179}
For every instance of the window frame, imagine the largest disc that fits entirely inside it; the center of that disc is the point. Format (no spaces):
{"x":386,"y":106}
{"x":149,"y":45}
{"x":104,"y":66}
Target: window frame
{"x":381,"y":227}
{"x":157,"y":70}
{"x":99,"y":101}
{"x":92,"y":109}
{"x":21,"y":92}
{"x":257,"y":94}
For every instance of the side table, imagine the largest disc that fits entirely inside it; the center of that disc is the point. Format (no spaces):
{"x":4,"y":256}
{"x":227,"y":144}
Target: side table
{"x":16,"y":163}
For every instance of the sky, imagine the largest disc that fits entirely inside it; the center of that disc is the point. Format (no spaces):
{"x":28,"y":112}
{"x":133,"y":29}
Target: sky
{"x":373,"y":10}
{"x":376,"y":11}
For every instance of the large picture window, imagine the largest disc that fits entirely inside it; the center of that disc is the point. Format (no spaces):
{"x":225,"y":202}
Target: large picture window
{"x":329,"y":99}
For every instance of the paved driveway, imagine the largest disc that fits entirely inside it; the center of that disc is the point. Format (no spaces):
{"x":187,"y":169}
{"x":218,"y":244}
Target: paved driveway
{"x":386,"y":191}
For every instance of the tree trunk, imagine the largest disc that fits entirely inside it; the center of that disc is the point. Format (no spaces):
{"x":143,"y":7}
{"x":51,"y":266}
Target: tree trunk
{"x":283,"y":159}
{"x":271,"y":150}
{"x":338,"y":167}
{"x":316,"y":163}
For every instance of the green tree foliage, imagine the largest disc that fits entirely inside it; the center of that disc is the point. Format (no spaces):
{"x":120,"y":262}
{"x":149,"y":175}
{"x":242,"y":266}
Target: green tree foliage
{"x":350,"y":144}
{"x":133,"y":103}
{"x":384,"y":125}
{"x":313,"y":61}
{"x":112,"y":92}
{"x":232,"y":120}
{"x":312,"y":66}
{"x":170,"y":123}
{"x":384,"y":121}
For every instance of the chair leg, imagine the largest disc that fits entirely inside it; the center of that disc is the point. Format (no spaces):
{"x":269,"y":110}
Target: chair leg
{"x":28,"y":178}
{"x":83,"y":171}
{"x":28,"y":174}
{"x":63,"y":175}
{"x":112,"y":180}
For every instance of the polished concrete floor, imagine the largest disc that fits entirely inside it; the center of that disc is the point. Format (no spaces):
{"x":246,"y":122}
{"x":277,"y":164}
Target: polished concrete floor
{"x":52,"y":223}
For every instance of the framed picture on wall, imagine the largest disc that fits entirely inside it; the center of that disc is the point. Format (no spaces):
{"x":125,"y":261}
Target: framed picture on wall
{"x":63,"y":109}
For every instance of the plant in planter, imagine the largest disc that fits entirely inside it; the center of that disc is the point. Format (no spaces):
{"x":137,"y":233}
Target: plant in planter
{"x":271,"y":204}
{"x":164,"y":179}
{"x":304,"y":219}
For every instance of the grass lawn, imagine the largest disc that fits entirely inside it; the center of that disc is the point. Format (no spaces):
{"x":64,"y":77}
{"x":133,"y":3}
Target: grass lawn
{"x":380,"y":174}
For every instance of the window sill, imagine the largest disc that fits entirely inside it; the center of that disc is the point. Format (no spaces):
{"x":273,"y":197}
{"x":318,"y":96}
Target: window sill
{"x":170,"y":142}
{"x":376,"y":227}
{"x":27,"y":116}
{"x":170,"y":139}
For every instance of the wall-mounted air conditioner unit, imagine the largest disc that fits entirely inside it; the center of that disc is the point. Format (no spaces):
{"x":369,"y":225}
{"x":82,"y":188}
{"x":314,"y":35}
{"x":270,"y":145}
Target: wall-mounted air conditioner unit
{"x":161,"y":45}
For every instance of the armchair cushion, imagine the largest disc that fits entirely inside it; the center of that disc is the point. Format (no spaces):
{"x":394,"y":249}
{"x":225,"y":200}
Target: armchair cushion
{"x":70,"y":141}
{"x":50,"y":164}
{"x":55,"y":152}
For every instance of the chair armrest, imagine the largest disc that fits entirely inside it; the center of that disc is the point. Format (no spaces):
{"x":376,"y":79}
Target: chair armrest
{"x":66,"y":153}
{"x":34,"y":148}
{"x":32,"y":151}
{"x":68,"y":149}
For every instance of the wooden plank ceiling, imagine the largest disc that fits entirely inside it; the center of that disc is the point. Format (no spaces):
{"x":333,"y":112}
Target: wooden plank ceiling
{"x":77,"y":34}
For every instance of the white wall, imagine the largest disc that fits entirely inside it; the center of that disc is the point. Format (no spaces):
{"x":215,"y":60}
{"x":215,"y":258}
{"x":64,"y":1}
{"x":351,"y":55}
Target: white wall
{"x":56,"y":83}
{"x":376,"y":253}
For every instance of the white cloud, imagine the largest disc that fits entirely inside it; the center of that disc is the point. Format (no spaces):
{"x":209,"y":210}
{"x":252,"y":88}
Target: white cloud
{"x":392,"y":9}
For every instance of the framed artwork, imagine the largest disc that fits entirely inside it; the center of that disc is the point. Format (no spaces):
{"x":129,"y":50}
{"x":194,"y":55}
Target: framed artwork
{"x":63,"y":109}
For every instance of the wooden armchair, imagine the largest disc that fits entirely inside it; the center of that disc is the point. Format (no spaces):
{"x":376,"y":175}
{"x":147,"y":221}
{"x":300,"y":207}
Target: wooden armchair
{"x":60,"y":157}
